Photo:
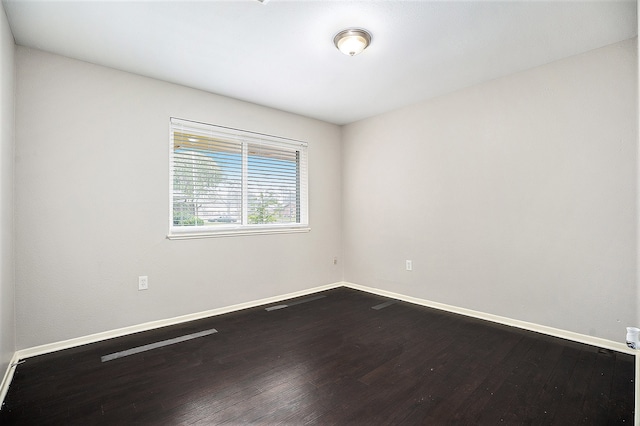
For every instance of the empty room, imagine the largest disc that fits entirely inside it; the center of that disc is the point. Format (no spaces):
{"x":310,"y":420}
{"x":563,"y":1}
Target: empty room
{"x":319,"y":212}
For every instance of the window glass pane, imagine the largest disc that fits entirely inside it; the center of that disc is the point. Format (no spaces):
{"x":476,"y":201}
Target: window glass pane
{"x":273,"y":185}
{"x":207,"y":181}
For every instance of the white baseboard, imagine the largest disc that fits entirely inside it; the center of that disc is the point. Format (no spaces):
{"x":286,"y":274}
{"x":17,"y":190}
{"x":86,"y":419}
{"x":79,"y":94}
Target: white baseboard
{"x":8,"y":376}
{"x":556,"y":332}
{"x":152,"y":325}
{"x":564,"y":334}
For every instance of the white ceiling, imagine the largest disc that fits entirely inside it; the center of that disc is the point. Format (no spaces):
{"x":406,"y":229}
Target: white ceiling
{"x":281,"y":54}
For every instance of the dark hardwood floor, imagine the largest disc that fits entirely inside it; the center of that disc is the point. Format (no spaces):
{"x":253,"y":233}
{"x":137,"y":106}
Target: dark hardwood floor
{"x":332,"y":360}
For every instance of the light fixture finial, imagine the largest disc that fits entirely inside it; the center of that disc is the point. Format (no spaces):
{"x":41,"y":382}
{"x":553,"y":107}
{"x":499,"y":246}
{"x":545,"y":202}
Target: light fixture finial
{"x":352,"y":41}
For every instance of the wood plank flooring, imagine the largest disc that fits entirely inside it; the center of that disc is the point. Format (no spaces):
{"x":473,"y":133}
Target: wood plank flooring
{"x":333,"y":360}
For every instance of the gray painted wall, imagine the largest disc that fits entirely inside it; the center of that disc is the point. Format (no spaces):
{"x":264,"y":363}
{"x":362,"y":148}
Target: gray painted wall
{"x":7,"y":72}
{"x":516,"y":197}
{"x":92,"y":204}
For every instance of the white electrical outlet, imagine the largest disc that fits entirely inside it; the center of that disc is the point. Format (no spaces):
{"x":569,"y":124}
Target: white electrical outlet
{"x":143,"y":282}
{"x":409,"y":265}
{"x":335,"y":260}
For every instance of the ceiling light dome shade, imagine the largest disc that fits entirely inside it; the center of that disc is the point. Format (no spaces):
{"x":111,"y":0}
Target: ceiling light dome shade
{"x":352,"y":41}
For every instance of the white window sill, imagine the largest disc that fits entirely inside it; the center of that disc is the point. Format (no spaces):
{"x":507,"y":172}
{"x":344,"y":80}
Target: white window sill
{"x":233,"y":232}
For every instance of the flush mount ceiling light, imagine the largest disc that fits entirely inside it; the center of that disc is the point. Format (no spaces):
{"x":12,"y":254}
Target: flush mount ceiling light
{"x":352,"y":41}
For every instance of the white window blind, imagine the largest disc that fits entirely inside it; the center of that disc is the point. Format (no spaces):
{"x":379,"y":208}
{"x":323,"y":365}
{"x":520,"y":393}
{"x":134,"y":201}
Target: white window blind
{"x":228,"y":181}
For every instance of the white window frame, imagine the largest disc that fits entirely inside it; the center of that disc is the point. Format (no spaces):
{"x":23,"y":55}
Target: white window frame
{"x":245,"y":138}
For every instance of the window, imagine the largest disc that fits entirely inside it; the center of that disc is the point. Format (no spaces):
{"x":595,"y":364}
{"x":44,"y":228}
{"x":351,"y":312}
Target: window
{"x":227,"y":182}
